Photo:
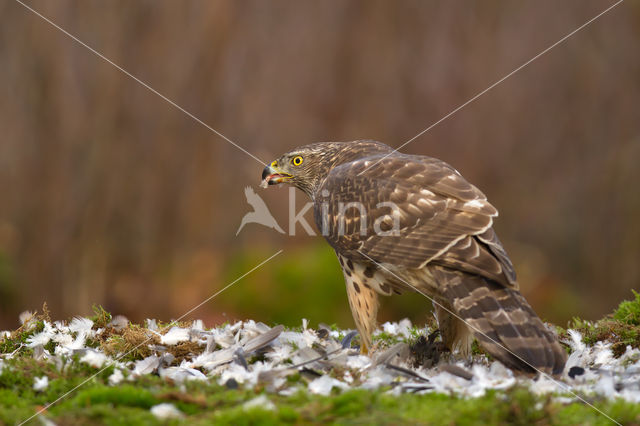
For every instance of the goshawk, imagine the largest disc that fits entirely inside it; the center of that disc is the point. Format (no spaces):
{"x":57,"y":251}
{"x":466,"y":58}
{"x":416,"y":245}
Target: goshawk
{"x":403,"y":222}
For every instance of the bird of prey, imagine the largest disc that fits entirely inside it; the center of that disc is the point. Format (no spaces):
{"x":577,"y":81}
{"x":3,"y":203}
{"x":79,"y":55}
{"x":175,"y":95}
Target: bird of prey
{"x":260,"y":213}
{"x":402,"y":222}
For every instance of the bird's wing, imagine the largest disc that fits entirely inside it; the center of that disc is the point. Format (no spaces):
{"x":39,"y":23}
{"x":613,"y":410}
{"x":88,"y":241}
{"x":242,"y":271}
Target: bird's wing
{"x":436,"y":216}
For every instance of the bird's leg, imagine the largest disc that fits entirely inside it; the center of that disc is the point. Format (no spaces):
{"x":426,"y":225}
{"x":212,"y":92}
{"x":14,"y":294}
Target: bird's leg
{"x":364,"y":307}
{"x":455,"y":333}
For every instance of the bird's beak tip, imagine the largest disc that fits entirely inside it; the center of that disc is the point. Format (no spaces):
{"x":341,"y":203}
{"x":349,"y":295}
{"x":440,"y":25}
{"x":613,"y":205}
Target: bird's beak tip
{"x":272,"y":176}
{"x":266,"y":174}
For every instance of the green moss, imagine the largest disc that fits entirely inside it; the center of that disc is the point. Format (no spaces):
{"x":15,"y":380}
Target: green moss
{"x":621,"y":328}
{"x":107,"y":414}
{"x":204,"y":403}
{"x":294,"y":378}
{"x":127,"y":395}
{"x":477,"y":350}
{"x":16,"y":375}
{"x":16,"y":340}
{"x":628,"y":312}
{"x":100,"y":316}
{"x":384,"y":339}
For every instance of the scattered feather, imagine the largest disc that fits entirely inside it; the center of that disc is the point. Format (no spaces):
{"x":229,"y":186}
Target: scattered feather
{"x":152,"y":324}
{"x":146,"y":366}
{"x":81,"y":326}
{"x":119,"y":322}
{"x":456,"y":370}
{"x":175,"y":335}
{"x":261,"y":402}
{"x":399,"y":349}
{"x":263,"y":339}
{"x":323,"y":358}
{"x":402,"y":328}
{"x":197,"y":325}
{"x":323,"y":385}
{"x":42,"y":338}
{"x":26,"y":317}
{"x":116,"y":377}
{"x":181,"y":374}
{"x":94,"y":358}
{"x":346,"y":342}
{"x":238,"y":357}
{"x":576,"y":340}
{"x":40,"y":383}
{"x":166,"y":411}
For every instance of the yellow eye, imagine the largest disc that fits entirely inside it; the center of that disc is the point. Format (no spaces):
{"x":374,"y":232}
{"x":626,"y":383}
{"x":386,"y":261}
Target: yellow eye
{"x":297,"y":160}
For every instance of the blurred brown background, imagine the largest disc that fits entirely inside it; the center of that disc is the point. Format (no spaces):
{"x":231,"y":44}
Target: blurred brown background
{"x":110,"y":195}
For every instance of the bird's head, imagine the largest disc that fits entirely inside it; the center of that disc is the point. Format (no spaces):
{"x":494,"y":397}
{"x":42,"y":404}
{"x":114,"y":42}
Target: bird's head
{"x":307,"y":166}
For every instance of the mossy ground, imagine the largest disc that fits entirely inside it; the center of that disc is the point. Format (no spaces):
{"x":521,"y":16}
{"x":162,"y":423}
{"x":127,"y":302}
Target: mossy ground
{"x":203,"y":403}
{"x":621,"y":328}
{"x":89,"y":399}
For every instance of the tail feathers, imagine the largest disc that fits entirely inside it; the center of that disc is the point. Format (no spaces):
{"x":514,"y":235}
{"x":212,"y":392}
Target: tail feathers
{"x":503,"y":323}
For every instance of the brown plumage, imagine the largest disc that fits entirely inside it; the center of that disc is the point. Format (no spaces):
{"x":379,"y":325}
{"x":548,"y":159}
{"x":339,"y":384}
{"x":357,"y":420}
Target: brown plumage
{"x":403,"y":222}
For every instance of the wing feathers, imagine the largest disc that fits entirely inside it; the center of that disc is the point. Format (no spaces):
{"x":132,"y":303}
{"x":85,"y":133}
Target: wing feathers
{"x":436,"y":207}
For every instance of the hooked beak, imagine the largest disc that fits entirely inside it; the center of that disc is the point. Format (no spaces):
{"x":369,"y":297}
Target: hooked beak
{"x":272,"y":176}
